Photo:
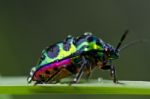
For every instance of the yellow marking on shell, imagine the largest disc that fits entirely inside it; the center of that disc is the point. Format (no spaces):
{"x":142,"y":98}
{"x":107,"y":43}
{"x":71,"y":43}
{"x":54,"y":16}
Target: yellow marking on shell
{"x":62,"y":53}
{"x":48,"y":60}
{"x":91,"y":45}
{"x":95,"y":46}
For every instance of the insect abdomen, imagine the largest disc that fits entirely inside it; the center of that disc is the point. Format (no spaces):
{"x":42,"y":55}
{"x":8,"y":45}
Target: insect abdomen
{"x":48,"y":70}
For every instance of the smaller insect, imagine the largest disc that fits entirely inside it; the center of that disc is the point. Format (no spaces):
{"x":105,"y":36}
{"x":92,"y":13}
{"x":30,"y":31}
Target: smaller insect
{"x":75,"y":56}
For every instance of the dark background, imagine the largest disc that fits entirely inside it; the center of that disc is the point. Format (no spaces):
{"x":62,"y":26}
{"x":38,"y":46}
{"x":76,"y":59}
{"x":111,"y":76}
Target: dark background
{"x":28,"y":26}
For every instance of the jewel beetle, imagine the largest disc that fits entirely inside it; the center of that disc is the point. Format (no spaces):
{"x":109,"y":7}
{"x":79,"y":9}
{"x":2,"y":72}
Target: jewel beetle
{"x":75,"y":56}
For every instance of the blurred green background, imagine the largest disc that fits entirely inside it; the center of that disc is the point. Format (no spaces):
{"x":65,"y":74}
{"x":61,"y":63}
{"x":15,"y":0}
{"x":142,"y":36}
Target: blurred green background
{"x":28,"y":26}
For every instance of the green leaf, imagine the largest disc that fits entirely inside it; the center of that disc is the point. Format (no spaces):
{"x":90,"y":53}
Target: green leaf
{"x":18,"y":85}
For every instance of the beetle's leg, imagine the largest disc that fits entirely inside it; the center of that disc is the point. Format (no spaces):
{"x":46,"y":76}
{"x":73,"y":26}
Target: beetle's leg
{"x":88,"y":75}
{"x":58,"y":74}
{"x":81,"y":71}
{"x":113,"y":74}
{"x":38,"y":82}
{"x":112,"y":71}
{"x":89,"y":69}
{"x":29,"y":79}
{"x":52,"y":77}
{"x":106,"y":67}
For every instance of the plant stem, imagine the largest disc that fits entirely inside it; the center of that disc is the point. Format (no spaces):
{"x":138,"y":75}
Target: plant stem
{"x":18,"y":85}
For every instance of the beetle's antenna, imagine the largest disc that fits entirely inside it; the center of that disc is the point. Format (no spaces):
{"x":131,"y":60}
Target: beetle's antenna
{"x":133,"y":43}
{"x":122,"y":39}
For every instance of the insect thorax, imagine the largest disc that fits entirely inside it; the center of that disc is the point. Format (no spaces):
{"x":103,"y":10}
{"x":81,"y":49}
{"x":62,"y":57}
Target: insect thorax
{"x":89,"y":43}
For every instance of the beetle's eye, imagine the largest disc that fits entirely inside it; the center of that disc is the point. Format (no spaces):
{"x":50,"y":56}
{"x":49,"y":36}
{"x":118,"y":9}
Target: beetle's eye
{"x":106,"y":49}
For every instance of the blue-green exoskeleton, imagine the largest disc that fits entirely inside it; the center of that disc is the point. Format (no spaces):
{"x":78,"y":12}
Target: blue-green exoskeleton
{"x":75,"y":56}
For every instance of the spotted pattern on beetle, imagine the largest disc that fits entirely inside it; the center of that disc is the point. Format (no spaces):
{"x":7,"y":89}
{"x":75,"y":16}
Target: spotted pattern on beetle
{"x":59,"y":51}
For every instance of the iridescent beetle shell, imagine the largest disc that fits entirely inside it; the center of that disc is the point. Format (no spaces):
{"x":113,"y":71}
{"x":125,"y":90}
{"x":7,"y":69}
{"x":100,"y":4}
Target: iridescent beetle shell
{"x":62,"y":59}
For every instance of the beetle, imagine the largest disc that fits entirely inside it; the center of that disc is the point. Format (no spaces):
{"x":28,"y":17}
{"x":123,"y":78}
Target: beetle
{"x":75,"y":56}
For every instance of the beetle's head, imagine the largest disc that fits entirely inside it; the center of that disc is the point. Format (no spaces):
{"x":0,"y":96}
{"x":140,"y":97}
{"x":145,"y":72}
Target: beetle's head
{"x":111,"y":52}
